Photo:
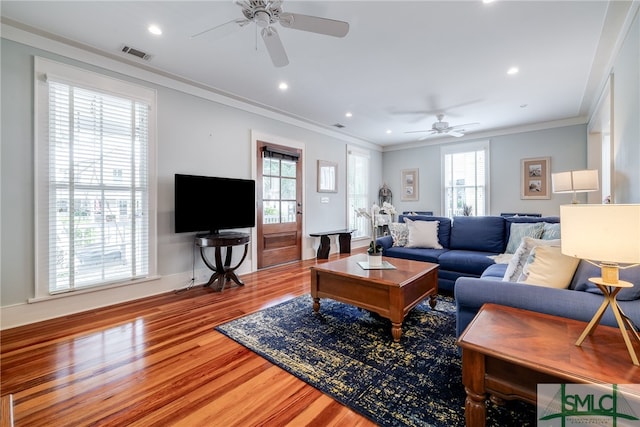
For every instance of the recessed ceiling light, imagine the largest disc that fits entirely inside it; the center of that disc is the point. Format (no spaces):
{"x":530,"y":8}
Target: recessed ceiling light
{"x":487,"y":1}
{"x":513,"y":70}
{"x":388,"y":131}
{"x":348,"y":114}
{"x":154,"y":29}
{"x":283,"y":86}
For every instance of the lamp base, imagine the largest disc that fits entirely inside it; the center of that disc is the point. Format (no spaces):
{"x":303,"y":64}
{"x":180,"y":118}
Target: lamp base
{"x":610,"y":290}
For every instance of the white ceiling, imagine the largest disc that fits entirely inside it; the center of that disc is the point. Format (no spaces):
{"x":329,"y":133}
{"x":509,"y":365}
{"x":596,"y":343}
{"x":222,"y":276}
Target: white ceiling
{"x":401,"y":63}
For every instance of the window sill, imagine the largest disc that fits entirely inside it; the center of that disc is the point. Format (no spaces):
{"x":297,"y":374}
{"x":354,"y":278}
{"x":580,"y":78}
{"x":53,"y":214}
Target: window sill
{"x":87,"y":290}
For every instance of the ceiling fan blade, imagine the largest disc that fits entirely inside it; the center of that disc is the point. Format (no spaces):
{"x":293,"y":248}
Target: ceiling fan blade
{"x":455,"y":133}
{"x":225,"y":29}
{"x":314,"y":24}
{"x":418,"y":131}
{"x":274,"y":47}
{"x":463,"y":126}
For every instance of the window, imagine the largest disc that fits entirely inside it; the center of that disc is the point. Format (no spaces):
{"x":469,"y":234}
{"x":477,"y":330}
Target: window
{"x":358,"y":191}
{"x":94,"y":200}
{"x":465,"y":179}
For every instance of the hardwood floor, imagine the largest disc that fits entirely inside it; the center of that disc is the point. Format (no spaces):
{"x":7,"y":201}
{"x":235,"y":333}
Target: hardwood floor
{"x":158,"y":361}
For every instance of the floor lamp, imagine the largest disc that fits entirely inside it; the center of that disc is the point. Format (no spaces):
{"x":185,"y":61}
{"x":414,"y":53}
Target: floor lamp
{"x":606,"y":236}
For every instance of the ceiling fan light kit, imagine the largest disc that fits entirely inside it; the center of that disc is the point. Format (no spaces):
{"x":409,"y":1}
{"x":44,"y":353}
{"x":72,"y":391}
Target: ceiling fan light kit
{"x":265,"y":13}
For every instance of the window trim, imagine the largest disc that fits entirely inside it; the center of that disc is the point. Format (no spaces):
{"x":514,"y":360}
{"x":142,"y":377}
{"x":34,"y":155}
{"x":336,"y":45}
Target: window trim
{"x":45,"y":69}
{"x":364,"y":154}
{"x":463,"y":148}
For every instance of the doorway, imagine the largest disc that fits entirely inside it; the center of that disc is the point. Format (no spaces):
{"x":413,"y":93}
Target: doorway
{"x":279,"y":196}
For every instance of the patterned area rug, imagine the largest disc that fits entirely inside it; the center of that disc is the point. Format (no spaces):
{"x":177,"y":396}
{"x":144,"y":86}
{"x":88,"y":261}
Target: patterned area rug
{"x":348,"y":353}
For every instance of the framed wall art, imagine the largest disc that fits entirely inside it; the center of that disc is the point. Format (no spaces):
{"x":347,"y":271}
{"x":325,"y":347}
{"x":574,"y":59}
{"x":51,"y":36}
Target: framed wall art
{"x":327,"y":177}
{"x":535,"y":178}
{"x":409,"y":184}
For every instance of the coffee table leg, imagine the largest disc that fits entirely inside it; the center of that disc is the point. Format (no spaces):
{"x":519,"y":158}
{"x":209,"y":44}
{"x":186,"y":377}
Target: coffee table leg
{"x":316,"y":304}
{"x":475,"y":411}
{"x":396,"y":331}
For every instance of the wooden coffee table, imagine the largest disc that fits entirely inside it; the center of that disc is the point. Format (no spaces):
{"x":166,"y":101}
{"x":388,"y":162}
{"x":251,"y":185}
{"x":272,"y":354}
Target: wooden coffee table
{"x":507,"y":352}
{"x":390,"y":293}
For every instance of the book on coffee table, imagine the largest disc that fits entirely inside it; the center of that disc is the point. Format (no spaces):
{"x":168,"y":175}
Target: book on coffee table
{"x":386,"y":265}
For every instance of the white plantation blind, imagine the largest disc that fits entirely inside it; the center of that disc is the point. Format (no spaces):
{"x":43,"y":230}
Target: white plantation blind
{"x":465,"y":179}
{"x":94,"y":204}
{"x":358,"y":191}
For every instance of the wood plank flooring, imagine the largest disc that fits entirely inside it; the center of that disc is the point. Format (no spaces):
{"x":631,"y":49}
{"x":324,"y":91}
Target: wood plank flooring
{"x":158,"y":361}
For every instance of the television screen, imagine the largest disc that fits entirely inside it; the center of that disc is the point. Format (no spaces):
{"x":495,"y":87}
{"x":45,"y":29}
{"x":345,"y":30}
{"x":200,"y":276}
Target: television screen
{"x":206,"y":203}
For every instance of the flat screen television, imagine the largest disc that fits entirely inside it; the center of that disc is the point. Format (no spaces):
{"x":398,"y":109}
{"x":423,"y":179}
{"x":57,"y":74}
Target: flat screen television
{"x":210,"y":204}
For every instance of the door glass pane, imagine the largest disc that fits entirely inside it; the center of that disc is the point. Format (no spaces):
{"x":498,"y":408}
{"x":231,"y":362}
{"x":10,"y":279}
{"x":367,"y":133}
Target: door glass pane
{"x":271,"y":212}
{"x":270,"y":166}
{"x":271,"y":190}
{"x":289,"y":168}
{"x":288,"y":189}
{"x":288,"y":211}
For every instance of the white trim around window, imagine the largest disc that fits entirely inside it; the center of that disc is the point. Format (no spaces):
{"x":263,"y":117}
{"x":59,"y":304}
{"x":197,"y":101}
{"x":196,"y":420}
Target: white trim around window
{"x":95,"y":181}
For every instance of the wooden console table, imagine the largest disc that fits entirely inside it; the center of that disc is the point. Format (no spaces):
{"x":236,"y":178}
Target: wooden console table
{"x":507,"y":352}
{"x":344,"y":238}
{"x":223,"y":272}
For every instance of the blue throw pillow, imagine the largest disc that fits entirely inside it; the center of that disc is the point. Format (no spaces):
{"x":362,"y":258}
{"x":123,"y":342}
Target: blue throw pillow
{"x":520,"y":231}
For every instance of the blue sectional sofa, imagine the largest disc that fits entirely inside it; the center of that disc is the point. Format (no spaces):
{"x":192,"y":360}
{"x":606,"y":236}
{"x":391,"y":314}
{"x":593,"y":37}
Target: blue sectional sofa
{"x":580,"y":301}
{"x":467,"y":242}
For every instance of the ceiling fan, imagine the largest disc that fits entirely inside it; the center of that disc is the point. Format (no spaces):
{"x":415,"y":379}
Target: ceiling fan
{"x":266,"y":13}
{"x":441,"y":127}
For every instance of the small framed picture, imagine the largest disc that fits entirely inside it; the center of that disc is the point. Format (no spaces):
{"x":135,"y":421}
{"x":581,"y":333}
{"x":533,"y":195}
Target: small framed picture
{"x":327,"y":177}
{"x":535,"y":177}
{"x":409,"y":184}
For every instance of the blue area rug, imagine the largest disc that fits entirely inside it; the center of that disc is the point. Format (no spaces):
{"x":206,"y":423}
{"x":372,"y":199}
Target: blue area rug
{"x":349,"y":354}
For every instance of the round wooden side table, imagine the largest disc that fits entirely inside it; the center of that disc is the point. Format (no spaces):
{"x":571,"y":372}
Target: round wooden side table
{"x":223,"y":272}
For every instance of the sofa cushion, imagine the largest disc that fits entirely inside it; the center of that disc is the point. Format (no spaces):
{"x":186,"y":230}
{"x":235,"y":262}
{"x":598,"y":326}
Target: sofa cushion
{"x":463,"y":261}
{"x":519,"y":259}
{"x":518,"y":230}
{"x":586,"y":270}
{"x":494,"y":271}
{"x":444,"y":226}
{"x":415,"y":254}
{"x":422,"y":234}
{"x":547,"y":266}
{"x":478,"y":233}
{"x":550,"y":231}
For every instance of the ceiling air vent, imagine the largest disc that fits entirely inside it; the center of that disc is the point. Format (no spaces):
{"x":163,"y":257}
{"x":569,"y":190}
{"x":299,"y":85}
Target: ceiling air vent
{"x":338,"y":125}
{"x":135,"y":52}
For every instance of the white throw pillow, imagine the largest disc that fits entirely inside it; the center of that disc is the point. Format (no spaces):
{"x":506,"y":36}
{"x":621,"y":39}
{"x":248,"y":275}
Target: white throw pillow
{"x":423,"y":234}
{"x":547,"y":266}
{"x":519,"y":259}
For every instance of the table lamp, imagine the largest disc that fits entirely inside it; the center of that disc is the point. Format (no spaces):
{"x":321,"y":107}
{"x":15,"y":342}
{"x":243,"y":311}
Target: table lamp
{"x":580,"y":181}
{"x":606,"y":236}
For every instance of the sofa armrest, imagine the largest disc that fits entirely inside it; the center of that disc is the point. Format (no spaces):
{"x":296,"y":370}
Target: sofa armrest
{"x":385,"y":241}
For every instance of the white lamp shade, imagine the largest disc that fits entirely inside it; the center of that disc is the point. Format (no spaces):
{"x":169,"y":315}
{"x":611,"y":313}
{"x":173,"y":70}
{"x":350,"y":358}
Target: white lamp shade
{"x":585,"y":180}
{"x":604,"y":233}
{"x":561,"y":182}
{"x":575,"y":181}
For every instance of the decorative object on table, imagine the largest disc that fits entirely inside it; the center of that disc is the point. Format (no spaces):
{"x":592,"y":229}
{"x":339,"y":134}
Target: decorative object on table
{"x":384,"y":265}
{"x":606,"y":236}
{"x":581,"y":181}
{"x":409,"y":184}
{"x":347,"y":353}
{"x":534,"y":176}
{"x":375,"y":251}
{"x":327,"y":177}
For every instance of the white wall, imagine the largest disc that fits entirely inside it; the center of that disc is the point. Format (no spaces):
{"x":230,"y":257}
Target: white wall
{"x":626,"y":118}
{"x":196,"y":135}
{"x":567,"y":147}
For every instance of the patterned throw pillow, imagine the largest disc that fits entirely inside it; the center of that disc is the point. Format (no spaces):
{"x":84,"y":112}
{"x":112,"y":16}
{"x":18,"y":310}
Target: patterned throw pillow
{"x":547,"y":266}
{"x":519,"y":259}
{"x":423,"y":234}
{"x":551,"y":231}
{"x":523,"y":229}
{"x":399,"y":233}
